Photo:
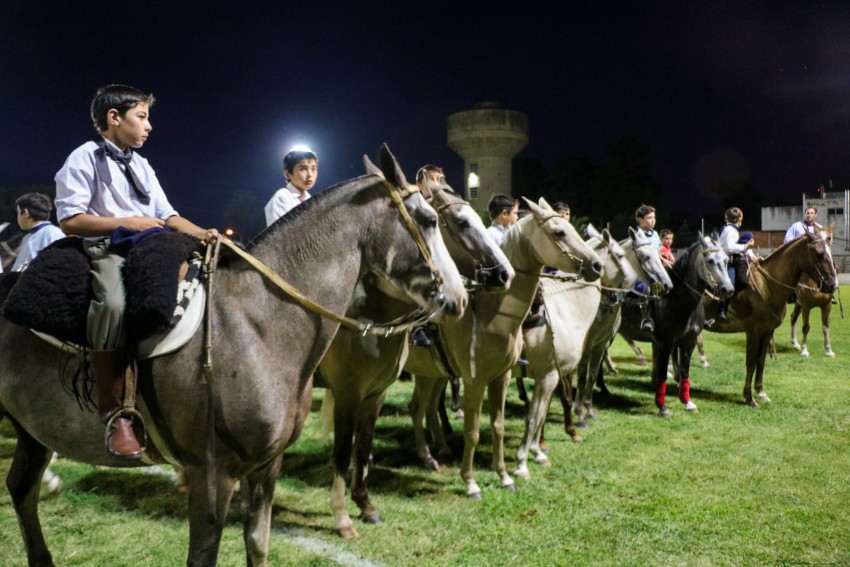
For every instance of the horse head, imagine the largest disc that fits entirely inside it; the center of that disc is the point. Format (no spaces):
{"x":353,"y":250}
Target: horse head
{"x":819,"y":265}
{"x":476,"y":254}
{"x":434,"y":285}
{"x":712,"y":270}
{"x":617,"y":272}
{"x":555,"y":242}
{"x":647,"y":262}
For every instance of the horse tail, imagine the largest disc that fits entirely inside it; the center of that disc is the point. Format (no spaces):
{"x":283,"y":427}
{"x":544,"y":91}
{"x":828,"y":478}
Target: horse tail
{"x":326,"y":414}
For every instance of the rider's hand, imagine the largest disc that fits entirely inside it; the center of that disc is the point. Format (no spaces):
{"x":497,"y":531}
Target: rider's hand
{"x":141,"y":223}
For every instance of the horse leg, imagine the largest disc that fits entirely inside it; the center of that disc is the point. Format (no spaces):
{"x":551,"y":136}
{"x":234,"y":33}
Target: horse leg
{"x":702,"y":359}
{"x":445,"y":423}
{"x":497,"y":391}
{"x":343,"y":436}
{"x":532,"y":425}
{"x":205,"y":524}
{"x":418,"y":405}
{"x":762,"y":355}
{"x":257,"y":495}
{"x":639,"y":353}
{"x":824,"y":321}
{"x":804,"y":347}
{"x":609,"y":363}
{"x":367,"y":417}
{"x":473,"y":399}
{"x":454,"y":383}
{"x":433,"y":419}
{"x":23,"y":483}
{"x":752,"y":355}
{"x":795,"y":314}
{"x":660,"y":357}
{"x":683,"y":353}
{"x":565,"y":393}
{"x":523,"y":394}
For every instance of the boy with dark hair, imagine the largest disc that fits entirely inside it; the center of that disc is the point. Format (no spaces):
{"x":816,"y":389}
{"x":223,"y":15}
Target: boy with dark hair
{"x":432,"y":172}
{"x":666,"y":251}
{"x":34,"y":218}
{"x":504,"y":212}
{"x":301,"y":169}
{"x":736,"y":245}
{"x":103,"y":186}
{"x":645,"y":217}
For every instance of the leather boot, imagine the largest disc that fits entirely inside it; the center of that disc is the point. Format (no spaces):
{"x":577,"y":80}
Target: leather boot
{"x":109,"y":368}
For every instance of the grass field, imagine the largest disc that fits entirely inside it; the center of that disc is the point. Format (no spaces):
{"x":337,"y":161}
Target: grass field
{"x":727,"y":486}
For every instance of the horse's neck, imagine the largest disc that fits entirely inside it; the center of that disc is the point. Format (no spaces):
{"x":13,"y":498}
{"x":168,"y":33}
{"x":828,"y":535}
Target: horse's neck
{"x":508,"y":309}
{"x":784,"y":268}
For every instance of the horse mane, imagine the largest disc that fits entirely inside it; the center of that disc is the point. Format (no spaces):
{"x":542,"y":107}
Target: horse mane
{"x":352,"y":185}
{"x":781,"y":249}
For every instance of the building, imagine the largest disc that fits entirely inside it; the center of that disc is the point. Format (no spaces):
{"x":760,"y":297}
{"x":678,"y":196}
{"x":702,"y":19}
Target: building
{"x":487,"y":138}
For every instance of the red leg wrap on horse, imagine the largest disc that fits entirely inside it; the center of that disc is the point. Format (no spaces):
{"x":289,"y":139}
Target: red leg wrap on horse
{"x":660,"y":393}
{"x":685,"y":390}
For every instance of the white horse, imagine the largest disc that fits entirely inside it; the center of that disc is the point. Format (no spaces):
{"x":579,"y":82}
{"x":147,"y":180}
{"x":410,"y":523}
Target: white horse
{"x":485,"y":343}
{"x":555,"y":344}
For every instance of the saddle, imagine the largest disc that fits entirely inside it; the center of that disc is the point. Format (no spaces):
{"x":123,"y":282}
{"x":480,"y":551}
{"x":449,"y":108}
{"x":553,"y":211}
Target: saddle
{"x":52,"y":296}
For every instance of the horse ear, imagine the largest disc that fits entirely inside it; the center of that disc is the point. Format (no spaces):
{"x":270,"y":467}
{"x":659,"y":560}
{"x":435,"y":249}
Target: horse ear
{"x":536,"y":210}
{"x":391,"y":168}
{"x":544,"y":204}
{"x":606,"y":236}
{"x":371,"y":168}
{"x":591,"y":231}
{"x":632,"y":234}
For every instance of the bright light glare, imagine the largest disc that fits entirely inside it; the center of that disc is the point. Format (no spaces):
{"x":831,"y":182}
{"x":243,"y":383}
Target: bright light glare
{"x":300,"y":148}
{"x":472,"y":181}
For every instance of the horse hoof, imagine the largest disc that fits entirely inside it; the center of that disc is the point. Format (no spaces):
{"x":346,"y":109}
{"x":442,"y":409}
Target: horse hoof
{"x":431,"y":464}
{"x":804,"y":353}
{"x":523,"y":474}
{"x":50,"y":488}
{"x":763,"y":397}
{"x":347,"y":532}
{"x":753,"y":404}
{"x":692,"y":407}
{"x":663,"y":412}
{"x":509,"y":487}
{"x":705,"y":365}
{"x":830,"y":354}
{"x":475,"y":495}
{"x":371,"y":518}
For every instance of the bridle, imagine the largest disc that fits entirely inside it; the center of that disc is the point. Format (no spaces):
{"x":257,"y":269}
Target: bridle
{"x":417,"y":317}
{"x":541,"y":222}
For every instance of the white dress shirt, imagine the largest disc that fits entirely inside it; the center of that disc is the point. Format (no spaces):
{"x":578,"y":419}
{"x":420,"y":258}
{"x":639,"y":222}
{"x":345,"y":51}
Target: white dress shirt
{"x":35,"y":239}
{"x":283,"y":201}
{"x":80,"y":190}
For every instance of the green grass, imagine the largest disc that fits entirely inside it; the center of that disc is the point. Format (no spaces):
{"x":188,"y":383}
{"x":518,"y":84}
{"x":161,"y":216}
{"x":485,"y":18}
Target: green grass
{"x":727,"y":486}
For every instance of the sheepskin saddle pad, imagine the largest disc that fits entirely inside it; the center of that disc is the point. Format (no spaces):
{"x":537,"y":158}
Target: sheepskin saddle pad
{"x":52,"y":295}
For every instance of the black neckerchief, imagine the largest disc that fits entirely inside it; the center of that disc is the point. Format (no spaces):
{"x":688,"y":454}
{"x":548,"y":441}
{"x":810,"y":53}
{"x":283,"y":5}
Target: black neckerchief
{"x":105,"y":150}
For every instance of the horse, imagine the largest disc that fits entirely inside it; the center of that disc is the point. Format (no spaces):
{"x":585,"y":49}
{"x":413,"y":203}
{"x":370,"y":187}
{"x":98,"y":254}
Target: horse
{"x":485,"y":343}
{"x":808,"y":298}
{"x":759,"y":309}
{"x":356,"y":392}
{"x":647,"y":266}
{"x":680,"y":317}
{"x":230,"y":421}
{"x":554,"y":345}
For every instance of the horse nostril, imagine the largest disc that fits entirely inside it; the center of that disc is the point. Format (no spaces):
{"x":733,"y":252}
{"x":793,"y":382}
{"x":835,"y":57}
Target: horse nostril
{"x":504,"y":276}
{"x":597,"y":267}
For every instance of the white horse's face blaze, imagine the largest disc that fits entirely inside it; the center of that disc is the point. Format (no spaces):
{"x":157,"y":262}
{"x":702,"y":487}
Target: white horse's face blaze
{"x":650,"y":268}
{"x":820,"y":251}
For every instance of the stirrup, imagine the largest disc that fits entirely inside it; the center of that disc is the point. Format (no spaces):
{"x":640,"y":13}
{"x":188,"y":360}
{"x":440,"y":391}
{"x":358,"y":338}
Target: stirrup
{"x":139,"y":428}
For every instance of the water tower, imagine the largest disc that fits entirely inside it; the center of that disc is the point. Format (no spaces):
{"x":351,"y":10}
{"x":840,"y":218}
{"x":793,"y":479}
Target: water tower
{"x":487,"y":138}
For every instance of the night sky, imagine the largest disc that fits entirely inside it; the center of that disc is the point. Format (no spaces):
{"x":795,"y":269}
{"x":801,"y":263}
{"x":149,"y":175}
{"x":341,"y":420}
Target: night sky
{"x":716,"y":89}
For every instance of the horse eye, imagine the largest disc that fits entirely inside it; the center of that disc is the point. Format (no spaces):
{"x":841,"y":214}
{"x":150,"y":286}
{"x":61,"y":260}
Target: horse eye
{"x":462,"y":223}
{"x":559,"y":233}
{"x":711,"y":261}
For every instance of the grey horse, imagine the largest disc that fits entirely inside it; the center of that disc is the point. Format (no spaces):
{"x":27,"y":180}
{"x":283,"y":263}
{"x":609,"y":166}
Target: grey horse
{"x":235,"y":426}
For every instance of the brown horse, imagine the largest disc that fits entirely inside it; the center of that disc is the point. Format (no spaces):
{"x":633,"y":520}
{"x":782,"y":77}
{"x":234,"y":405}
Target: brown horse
{"x":232,"y":424}
{"x":759,"y":309}
{"x":807,"y":298}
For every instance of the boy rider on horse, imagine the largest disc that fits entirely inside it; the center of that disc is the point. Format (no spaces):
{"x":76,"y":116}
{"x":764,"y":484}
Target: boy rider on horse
{"x":103,"y":186}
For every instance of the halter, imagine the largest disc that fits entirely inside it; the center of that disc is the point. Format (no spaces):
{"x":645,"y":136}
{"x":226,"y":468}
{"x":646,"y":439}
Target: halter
{"x":470,"y":285}
{"x":415,"y":318}
{"x":541,"y":222}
